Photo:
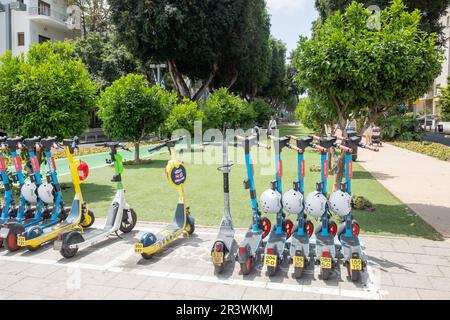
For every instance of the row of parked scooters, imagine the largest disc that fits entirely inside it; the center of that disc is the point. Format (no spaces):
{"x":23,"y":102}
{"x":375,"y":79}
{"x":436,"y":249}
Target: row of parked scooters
{"x":263,"y":240}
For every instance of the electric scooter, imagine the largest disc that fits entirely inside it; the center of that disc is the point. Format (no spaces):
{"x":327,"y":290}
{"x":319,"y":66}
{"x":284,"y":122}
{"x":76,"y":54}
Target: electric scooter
{"x":282,"y":231}
{"x":299,"y":249}
{"x":35,"y":236}
{"x":11,"y":229}
{"x":224,"y":246}
{"x":120,"y":216}
{"x":250,"y":248}
{"x":183,"y":222}
{"x":8,"y":208}
{"x":355,"y":260}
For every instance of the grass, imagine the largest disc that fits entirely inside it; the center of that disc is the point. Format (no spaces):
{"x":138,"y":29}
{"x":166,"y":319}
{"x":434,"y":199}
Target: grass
{"x":149,"y":193}
{"x":435,"y":150}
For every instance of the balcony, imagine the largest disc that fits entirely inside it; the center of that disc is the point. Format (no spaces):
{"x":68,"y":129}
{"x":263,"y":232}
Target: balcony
{"x":48,"y":17}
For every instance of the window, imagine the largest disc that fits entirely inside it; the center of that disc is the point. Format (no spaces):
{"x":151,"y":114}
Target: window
{"x":43,"y":39}
{"x":20,"y":39}
{"x":43,"y":8}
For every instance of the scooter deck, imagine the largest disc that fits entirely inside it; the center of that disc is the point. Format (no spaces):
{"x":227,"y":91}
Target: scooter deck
{"x":299,"y":242}
{"x":277,"y":241}
{"x":350,"y":245}
{"x":325,"y":243}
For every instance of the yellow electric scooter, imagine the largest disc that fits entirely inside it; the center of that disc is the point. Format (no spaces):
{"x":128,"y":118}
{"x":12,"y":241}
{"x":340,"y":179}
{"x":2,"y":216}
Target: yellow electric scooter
{"x":183,"y":222}
{"x":33,"y":237}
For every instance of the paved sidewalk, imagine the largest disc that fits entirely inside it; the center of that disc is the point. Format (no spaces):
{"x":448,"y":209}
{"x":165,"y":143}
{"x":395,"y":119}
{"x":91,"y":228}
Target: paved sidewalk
{"x":421,"y":182}
{"x":399,"y":268}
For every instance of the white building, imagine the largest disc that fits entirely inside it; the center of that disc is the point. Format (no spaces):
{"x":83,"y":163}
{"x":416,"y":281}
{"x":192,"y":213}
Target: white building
{"x":25,"y":22}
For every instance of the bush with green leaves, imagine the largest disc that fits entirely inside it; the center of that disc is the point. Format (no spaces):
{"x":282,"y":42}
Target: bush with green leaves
{"x":48,"y":93}
{"x":444,"y":101}
{"x":400,"y":126}
{"x":263,"y":112}
{"x":223,"y":108}
{"x":182,"y":116}
{"x":131,"y":109}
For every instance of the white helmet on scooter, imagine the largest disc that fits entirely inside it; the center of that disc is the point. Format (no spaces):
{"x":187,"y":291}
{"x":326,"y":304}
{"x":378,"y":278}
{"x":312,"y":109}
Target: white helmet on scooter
{"x":271,"y":201}
{"x":315,"y":204}
{"x":293,"y":201}
{"x":45,"y":192}
{"x":341,"y":203}
{"x":28,"y":191}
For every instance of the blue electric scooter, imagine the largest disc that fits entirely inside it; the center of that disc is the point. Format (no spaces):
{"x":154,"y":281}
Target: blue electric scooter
{"x":250,"y":248}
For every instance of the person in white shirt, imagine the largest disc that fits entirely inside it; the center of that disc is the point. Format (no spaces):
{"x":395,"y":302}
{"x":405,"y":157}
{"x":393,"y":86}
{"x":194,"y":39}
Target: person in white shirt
{"x":272,"y":125}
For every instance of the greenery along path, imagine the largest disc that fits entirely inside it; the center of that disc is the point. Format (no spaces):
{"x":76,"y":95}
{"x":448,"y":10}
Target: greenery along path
{"x":154,"y":199}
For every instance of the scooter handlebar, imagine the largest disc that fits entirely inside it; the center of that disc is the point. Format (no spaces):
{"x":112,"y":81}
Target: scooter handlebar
{"x":264,"y":146}
{"x":364,"y":146}
{"x":318,"y":148}
{"x":345,"y":149}
{"x":292,"y":147}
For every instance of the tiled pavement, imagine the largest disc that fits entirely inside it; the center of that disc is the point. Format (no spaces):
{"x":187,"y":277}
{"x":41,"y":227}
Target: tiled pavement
{"x":399,"y":268}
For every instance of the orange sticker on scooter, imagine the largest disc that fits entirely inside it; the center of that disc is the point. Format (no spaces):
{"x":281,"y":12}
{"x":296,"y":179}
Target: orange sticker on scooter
{"x":35,"y":164}
{"x":350,"y":169}
{"x":280,"y":169}
{"x":2,"y":164}
{"x":18,"y":163}
{"x":302,"y":169}
{"x":53,"y":164}
{"x":325,"y":169}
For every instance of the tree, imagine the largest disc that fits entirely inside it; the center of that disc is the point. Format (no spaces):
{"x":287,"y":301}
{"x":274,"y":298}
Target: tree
{"x":94,"y":15}
{"x":105,"y":58}
{"x":263,"y":111}
{"x":315,"y":115}
{"x":183,"y":116}
{"x":47,"y":94}
{"x":444,"y":101}
{"x":130,"y":109}
{"x":433,"y":11}
{"x":198,"y":39}
{"x":361,"y":70}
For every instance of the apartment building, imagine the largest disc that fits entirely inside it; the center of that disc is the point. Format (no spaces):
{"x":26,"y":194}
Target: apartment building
{"x":25,"y":22}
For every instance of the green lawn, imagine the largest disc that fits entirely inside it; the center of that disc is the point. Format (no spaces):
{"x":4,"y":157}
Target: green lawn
{"x":149,"y":193}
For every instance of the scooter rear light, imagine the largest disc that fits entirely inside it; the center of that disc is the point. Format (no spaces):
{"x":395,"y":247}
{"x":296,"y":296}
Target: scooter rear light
{"x":242,"y":250}
{"x":218,"y":247}
{"x":326,"y":254}
{"x":270,"y":251}
{"x":355,"y":229}
{"x":59,"y":236}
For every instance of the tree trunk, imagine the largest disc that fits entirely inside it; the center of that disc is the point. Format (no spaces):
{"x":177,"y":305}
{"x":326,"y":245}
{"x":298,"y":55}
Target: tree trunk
{"x":206,"y":83}
{"x":177,"y":77}
{"x":137,"y":158}
{"x":340,"y":166}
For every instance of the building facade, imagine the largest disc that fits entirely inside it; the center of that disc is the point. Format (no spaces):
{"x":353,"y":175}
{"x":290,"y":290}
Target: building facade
{"x":25,"y":22}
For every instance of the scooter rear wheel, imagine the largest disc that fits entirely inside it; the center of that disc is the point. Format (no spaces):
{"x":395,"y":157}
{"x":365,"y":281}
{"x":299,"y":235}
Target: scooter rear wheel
{"x":11,"y":242}
{"x":325,"y":273}
{"x":298,"y":272}
{"x":67,"y":252}
{"x":88,"y":221}
{"x":246,"y":266}
{"x":146,"y":256}
{"x":271,"y":271}
{"x":354,"y":275}
{"x":127,"y":226}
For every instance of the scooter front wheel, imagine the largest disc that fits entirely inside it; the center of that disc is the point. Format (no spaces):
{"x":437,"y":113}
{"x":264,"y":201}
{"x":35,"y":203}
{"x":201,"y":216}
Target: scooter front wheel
{"x":11,"y":242}
{"x":190,"y":225}
{"x":127,"y":226}
{"x":88,"y":219}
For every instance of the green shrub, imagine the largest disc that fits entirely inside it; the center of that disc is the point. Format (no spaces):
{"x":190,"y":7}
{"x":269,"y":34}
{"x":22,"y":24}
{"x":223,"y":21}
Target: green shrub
{"x":435,"y":150}
{"x":263,"y":112}
{"x":182,"y":116}
{"x":400,"y":126}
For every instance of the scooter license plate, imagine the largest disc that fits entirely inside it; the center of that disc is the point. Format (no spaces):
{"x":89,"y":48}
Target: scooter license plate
{"x":325,"y":263}
{"x":138,"y":247}
{"x":356,"y":264}
{"x":4,"y":232}
{"x":21,"y":241}
{"x":299,"y":262}
{"x":217,"y":257}
{"x":270,"y":260}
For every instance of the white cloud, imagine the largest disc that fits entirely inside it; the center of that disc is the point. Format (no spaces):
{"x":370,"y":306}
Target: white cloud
{"x":285,"y":6}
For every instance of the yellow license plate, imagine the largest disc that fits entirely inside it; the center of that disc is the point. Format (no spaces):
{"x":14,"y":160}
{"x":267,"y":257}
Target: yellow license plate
{"x":299,"y":262}
{"x":270,"y":260}
{"x":325,"y":263}
{"x":356,"y":264}
{"x":138,"y":247}
{"x":217,"y":257}
{"x":21,"y":241}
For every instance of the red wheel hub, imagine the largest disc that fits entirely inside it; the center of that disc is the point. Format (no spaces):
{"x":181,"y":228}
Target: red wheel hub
{"x":309,"y":228}
{"x":12,"y":241}
{"x":333,"y":228}
{"x":266,"y":226}
{"x":355,"y":229}
{"x":289,"y":228}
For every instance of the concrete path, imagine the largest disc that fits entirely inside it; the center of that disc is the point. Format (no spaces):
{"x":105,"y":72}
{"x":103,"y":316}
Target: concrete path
{"x":399,"y":268}
{"x":421,"y":182}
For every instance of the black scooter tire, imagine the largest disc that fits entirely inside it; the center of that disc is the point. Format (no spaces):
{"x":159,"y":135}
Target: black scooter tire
{"x":10,"y":242}
{"x":325,"y":273}
{"x":126,"y":228}
{"x":146,"y":256}
{"x":271,"y":271}
{"x":246,"y":267}
{"x":354,"y":275}
{"x":190,"y":228}
{"x":68,"y":252}
{"x":218,"y":268}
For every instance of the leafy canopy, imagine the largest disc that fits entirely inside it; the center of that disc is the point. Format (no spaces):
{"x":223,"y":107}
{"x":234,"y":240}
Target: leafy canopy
{"x":48,"y":94}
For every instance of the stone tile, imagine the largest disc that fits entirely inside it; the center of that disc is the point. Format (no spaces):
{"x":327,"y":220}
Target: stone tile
{"x":27,"y":296}
{"x":95,"y":277}
{"x":440,"y":252}
{"x":440,"y":283}
{"x":433,"y":294}
{"x":30,"y":285}
{"x":300,"y":296}
{"x":4,"y":295}
{"x":41,"y":270}
{"x":128,"y":281}
{"x":394,"y":293}
{"x":15,"y":268}
{"x":161,"y":285}
{"x":91,"y":292}
{"x":395,"y":257}
{"x":424,"y":270}
{"x":445,"y":271}
{"x":225,"y":292}
{"x":411,"y":281}
{"x":59,"y":290}
{"x":162,"y":296}
{"x":262,"y":294}
{"x":187,"y":297}
{"x":8,"y":280}
{"x":385,"y":279}
{"x":434,"y":260}
{"x":126,"y":294}
{"x":185,"y":287}
{"x":402,"y":246}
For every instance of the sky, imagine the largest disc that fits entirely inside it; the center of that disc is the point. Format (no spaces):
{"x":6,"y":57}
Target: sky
{"x":290,"y":19}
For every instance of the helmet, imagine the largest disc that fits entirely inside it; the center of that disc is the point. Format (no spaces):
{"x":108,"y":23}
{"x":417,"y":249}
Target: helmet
{"x":315,"y":204}
{"x":271,"y":201}
{"x":28,"y":191}
{"x":341,"y":203}
{"x":293,"y":201}
{"x":45,"y":192}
